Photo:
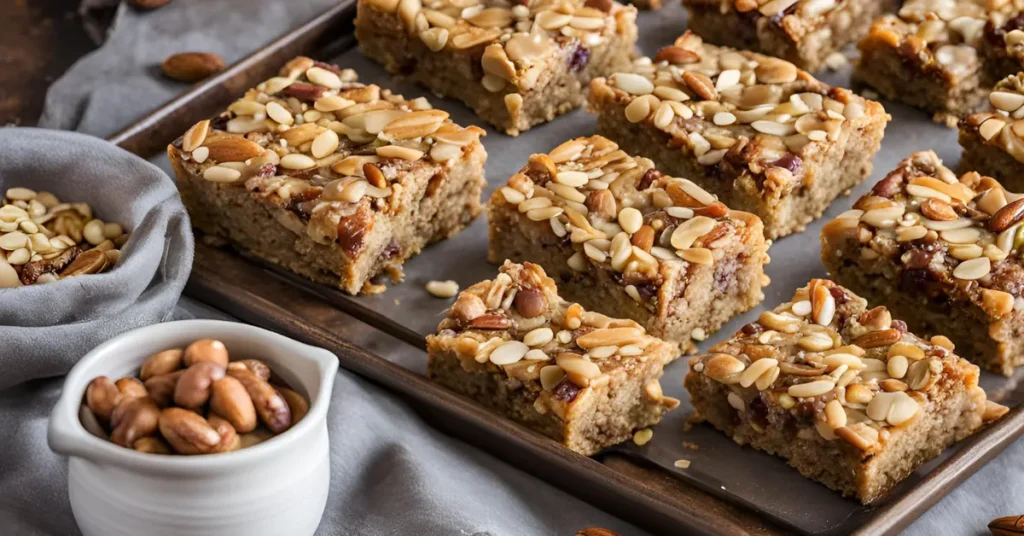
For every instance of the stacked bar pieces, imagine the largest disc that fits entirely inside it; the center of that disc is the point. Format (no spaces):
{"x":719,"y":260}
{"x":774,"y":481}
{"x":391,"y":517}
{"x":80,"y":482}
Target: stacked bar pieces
{"x":943,"y":253}
{"x":805,"y":32}
{"x":842,"y":392}
{"x":335,"y":180}
{"x":515,"y":65}
{"x":581,"y":378}
{"x":627,"y":240}
{"x":762,"y":135}
{"x":993,"y":141}
{"x":943,"y":56}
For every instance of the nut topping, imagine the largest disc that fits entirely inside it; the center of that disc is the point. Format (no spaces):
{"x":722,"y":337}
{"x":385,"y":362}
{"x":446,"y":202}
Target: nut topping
{"x":867,"y":378}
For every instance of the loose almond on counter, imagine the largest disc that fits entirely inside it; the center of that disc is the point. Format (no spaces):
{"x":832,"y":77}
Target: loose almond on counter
{"x":192,"y":66}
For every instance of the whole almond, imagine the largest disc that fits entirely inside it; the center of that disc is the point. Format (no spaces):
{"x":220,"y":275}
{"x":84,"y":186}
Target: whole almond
{"x":643,"y":238}
{"x":148,"y":4}
{"x":676,"y":55}
{"x":90,"y":262}
{"x":874,"y":339}
{"x":1007,"y":216}
{"x":938,"y":210}
{"x":192,"y":66}
{"x":230,"y":148}
{"x":1007,"y":526}
{"x":701,"y":85}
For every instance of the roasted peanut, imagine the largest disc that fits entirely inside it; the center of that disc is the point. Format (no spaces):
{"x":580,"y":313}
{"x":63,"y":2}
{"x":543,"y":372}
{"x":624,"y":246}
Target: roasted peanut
{"x":131,"y":388}
{"x":255,"y":437}
{"x":193,"y":388}
{"x":297,"y":404}
{"x":229,"y":440}
{"x":161,"y":388}
{"x":230,"y":400}
{"x":162,"y":363}
{"x":209,"y":350}
{"x":188,"y":432}
{"x":132,"y":419}
{"x":152,"y":445}
{"x":260,"y":368}
{"x":102,"y":397}
{"x":270,"y":405}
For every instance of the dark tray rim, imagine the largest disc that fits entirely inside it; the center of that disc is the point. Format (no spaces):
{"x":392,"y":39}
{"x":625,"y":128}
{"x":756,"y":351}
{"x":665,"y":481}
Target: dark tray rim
{"x":151,"y":134}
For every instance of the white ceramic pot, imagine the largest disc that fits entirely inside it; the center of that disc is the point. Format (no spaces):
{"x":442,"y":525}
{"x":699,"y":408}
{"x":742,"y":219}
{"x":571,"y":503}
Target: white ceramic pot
{"x":278,"y":487}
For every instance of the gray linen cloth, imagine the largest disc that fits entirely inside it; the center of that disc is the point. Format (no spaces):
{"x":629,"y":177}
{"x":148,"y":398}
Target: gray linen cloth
{"x":392,"y":473}
{"x":44,"y":329}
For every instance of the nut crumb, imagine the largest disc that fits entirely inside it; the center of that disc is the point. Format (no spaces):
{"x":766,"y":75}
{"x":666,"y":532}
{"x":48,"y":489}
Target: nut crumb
{"x":682,"y":464}
{"x":643,"y":436}
{"x":443,"y":289}
{"x":836,"y":61}
{"x":691,"y":445}
{"x":698,"y":334}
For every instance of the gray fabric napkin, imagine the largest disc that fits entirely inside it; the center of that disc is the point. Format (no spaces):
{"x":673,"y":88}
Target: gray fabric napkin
{"x":45,"y":328}
{"x":121,"y":81}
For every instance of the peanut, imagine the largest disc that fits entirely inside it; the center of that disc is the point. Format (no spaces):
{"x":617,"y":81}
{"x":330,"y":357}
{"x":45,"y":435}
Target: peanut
{"x":102,"y":397}
{"x":131,"y":388}
{"x":255,"y":437}
{"x":209,"y":350}
{"x":296,"y":403}
{"x":260,"y":368}
{"x":152,"y":445}
{"x":161,"y":363}
{"x":229,"y":440}
{"x":231,"y":401}
{"x":193,"y":388}
{"x":188,"y":432}
{"x":132,"y":419}
{"x":161,"y":388}
{"x":270,"y":405}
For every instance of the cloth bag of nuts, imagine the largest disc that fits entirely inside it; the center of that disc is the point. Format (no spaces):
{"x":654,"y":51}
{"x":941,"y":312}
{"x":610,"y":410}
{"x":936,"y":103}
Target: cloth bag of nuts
{"x":46,"y":327}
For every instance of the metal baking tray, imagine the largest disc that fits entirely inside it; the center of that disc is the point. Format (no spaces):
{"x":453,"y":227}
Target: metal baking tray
{"x":727,"y":488}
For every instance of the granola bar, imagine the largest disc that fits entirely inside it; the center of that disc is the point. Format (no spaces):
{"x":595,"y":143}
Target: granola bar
{"x":625,"y":239}
{"x":942,"y":252}
{"x":762,"y":135}
{"x":579,"y":377}
{"x":994,"y":141}
{"x":334,"y":180}
{"x":43,"y":240}
{"x":844,"y":393}
{"x":515,"y":64}
{"x":943,"y":56}
{"x":804,"y":32}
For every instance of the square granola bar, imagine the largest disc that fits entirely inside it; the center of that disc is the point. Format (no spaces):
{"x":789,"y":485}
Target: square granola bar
{"x":943,"y":56}
{"x":993,"y":141}
{"x":762,"y":135}
{"x":334,"y":180}
{"x":516,"y":65}
{"x":579,"y":377}
{"x":804,"y":32}
{"x":625,"y":239}
{"x":844,"y":393}
{"x":941,"y":252}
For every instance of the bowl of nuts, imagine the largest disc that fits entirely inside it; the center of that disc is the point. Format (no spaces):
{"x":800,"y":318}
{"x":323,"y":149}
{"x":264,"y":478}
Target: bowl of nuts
{"x":197,"y":427}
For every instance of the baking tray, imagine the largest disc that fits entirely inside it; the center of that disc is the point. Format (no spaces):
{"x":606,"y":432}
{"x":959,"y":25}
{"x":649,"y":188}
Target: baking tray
{"x":729,"y":477}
